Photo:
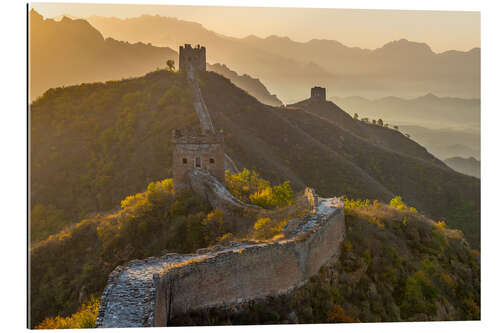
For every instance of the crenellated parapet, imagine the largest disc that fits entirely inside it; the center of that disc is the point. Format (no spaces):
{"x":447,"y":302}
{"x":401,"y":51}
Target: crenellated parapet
{"x":318,"y":94}
{"x":192,"y":56}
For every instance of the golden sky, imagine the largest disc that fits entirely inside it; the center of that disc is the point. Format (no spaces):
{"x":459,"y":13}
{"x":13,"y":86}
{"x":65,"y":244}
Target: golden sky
{"x":441,"y":30}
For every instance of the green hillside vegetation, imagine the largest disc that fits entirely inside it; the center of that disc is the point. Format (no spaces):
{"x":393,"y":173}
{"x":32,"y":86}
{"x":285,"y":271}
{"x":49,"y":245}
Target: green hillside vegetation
{"x":84,"y":318}
{"x":93,"y":144}
{"x":321,"y":146}
{"x":395,"y":265}
{"x":73,"y":265}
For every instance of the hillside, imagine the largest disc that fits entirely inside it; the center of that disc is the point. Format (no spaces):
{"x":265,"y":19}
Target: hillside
{"x":468,"y":166}
{"x":446,"y":126}
{"x":339,"y":156}
{"x":68,"y":52}
{"x":381,"y":136}
{"x":72,"y":266}
{"x":388,"y":252}
{"x":93,"y":144}
{"x":117,"y":138}
{"x":289,"y":68}
{"x":395,"y":266}
{"x":150,"y":223}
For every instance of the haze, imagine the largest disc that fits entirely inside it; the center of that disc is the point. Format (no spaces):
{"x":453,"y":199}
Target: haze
{"x":441,"y":30}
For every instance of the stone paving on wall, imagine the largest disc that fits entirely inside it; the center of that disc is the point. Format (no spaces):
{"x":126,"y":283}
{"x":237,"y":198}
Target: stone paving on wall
{"x":126,"y":301}
{"x":129,"y":298}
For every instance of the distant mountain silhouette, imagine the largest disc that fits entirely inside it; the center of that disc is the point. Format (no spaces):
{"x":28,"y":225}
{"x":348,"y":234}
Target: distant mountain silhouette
{"x":70,"y":52}
{"x":288,"y":67}
{"x":469,"y":166}
{"x":446,"y":126}
{"x":446,"y":142}
{"x":253,"y":86}
{"x":428,"y":110}
{"x":66,"y":52}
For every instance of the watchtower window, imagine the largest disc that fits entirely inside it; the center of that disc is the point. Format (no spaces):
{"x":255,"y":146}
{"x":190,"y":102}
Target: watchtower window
{"x":212,"y":161}
{"x":198,"y":162}
{"x":184,"y":161}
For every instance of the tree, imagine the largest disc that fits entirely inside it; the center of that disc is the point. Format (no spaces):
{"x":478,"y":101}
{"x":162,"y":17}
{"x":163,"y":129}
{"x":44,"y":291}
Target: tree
{"x":380,"y":122}
{"x":374,"y":122}
{"x":396,"y":127}
{"x":356,"y":116}
{"x":171,"y":65}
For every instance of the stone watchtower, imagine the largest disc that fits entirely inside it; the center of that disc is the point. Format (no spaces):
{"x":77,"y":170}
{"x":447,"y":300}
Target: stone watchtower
{"x":197,"y":151}
{"x":318,"y":94}
{"x":196,"y":57}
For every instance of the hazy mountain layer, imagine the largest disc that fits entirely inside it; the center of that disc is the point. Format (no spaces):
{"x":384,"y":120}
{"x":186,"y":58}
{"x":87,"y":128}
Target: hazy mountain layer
{"x":290,"y":68}
{"x":429,"y":110}
{"x":447,"y":142}
{"x":251,"y":85}
{"x":469,"y":166}
{"x":68,"y":52}
{"x":446,"y":126}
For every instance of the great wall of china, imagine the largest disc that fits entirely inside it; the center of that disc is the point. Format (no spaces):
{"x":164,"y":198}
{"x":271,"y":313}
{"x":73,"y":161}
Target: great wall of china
{"x":149,"y":292}
{"x":146,"y":293}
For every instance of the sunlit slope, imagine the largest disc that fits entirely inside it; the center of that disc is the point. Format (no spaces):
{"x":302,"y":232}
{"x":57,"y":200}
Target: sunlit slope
{"x":339,"y":155}
{"x":93,"y":144}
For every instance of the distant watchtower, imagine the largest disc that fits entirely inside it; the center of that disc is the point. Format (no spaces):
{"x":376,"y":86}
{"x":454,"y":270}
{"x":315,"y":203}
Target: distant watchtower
{"x":197,"y":150}
{"x":196,"y":57}
{"x":318,"y":94}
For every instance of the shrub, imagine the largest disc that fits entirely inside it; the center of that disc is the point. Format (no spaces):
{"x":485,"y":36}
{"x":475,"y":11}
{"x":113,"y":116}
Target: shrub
{"x":397,"y":202}
{"x":250,"y":187}
{"x":265,"y":228}
{"x":84,"y":318}
{"x":338,"y":315}
{"x":347,"y":246}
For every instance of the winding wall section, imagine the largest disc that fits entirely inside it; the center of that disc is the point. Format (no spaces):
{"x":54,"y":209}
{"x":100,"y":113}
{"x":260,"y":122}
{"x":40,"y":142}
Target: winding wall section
{"x":149,"y":292}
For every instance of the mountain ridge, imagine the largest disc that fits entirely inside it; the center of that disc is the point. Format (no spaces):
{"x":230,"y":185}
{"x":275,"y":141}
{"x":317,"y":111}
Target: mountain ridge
{"x":93,"y":58}
{"x":282,"y":63}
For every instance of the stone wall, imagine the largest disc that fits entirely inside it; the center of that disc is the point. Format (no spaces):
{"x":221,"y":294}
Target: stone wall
{"x":253,"y":271}
{"x":148,"y":292}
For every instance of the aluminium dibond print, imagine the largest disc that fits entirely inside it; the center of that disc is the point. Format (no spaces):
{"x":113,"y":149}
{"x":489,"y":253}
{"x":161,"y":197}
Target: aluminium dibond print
{"x":197,"y":165}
